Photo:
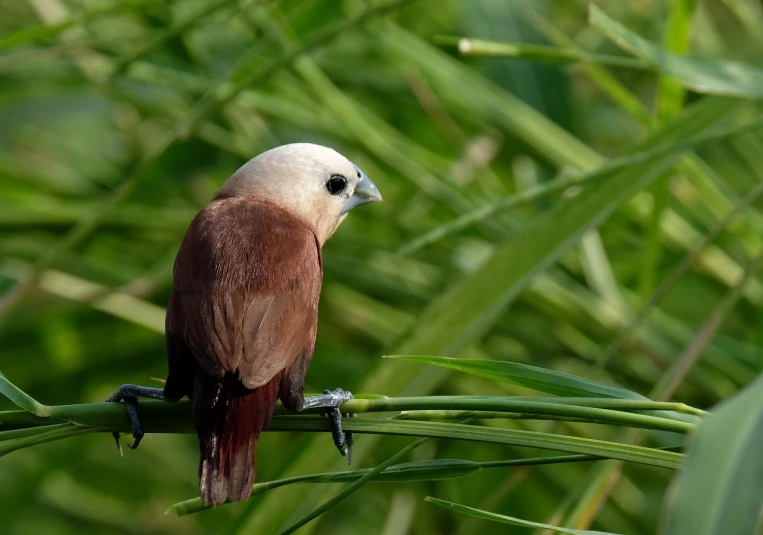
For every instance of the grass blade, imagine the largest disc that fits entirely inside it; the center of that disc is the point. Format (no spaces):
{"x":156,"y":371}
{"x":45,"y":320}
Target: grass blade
{"x":720,"y":488}
{"x":401,"y":473}
{"x":530,"y":52}
{"x":492,"y":435}
{"x":700,"y":75}
{"x":21,"y":398}
{"x":540,"y":379}
{"x":508,"y":519}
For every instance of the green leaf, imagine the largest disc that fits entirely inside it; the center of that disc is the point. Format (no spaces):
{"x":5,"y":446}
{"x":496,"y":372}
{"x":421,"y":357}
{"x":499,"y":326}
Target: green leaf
{"x":720,"y":488}
{"x":493,"y":435}
{"x":471,"y":511}
{"x":700,"y":75}
{"x":14,"y":434}
{"x":21,"y":398}
{"x":58,"y":433}
{"x":540,"y":379}
{"x":400,"y":473}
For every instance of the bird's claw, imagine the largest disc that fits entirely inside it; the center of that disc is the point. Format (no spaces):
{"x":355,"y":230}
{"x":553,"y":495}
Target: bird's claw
{"x":131,"y":404}
{"x":119,"y":444}
{"x":333,"y":400}
{"x":349,"y":438}
{"x":129,"y":394}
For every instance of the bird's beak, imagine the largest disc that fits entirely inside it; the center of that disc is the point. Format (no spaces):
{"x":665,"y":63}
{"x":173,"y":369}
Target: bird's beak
{"x":365,"y":192}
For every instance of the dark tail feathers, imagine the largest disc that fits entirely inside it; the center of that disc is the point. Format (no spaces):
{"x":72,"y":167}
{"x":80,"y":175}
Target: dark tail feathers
{"x":229,"y":418}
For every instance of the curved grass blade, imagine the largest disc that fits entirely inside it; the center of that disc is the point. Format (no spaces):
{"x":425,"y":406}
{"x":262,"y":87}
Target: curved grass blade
{"x":471,"y":511}
{"x":720,"y":488}
{"x":540,"y":379}
{"x":700,"y":75}
{"x":400,"y":473}
{"x":21,"y":398}
{"x":492,"y":435}
{"x":47,"y":436}
{"x":14,"y":434}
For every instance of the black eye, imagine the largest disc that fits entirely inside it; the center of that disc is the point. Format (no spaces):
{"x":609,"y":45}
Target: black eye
{"x":336,"y":184}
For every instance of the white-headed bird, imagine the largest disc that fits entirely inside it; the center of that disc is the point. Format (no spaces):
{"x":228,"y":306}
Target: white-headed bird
{"x":242,"y":315}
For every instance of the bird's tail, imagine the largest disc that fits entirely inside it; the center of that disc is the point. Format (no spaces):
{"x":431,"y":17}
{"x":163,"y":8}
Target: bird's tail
{"x":229,"y":418}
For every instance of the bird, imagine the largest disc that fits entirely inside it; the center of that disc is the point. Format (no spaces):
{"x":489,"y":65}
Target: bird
{"x":242,"y":314}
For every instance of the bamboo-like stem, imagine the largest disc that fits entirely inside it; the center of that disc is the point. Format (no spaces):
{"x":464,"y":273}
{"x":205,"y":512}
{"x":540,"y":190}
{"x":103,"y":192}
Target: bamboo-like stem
{"x":387,"y":426}
{"x":161,"y":417}
{"x":531,"y":52}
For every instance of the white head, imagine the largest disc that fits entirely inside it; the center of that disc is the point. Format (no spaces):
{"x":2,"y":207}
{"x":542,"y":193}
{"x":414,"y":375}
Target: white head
{"x":315,"y":183}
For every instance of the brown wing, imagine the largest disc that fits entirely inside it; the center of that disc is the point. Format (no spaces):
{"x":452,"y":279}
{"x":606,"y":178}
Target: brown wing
{"x":245,"y":294}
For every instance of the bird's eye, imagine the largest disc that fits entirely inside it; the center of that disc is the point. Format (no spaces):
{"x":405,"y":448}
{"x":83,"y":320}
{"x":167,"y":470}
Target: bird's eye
{"x":336,"y":184}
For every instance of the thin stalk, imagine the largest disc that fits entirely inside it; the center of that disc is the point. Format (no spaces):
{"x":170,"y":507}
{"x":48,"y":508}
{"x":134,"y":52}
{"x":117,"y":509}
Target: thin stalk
{"x":158,"y":418}
{"x":164,"y":417}
{"x":551,"y":54}
{"x":429,"y":416}
{"x":400,"y":473}
{"x":47,"y":436}
{"x":31,"y":431}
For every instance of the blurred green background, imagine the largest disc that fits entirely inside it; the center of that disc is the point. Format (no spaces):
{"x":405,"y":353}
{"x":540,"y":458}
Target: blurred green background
{"x":118,"y":121}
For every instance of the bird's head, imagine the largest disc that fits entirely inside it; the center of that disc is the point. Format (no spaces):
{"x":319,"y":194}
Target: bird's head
{"x":314,"y":183}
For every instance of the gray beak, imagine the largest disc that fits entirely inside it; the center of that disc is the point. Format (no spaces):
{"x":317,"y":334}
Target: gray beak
{"x":365,"y":192}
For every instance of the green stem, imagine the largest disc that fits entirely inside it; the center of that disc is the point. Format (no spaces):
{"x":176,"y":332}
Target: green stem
{"x":31,"y":431}
{"x":491,"y":435}
{"x":175,"y":417}
{"x":164,"y":417}
{"x":400,"y":473}
{"x":478,"y":47}
{"x":156,"y":413}
{"x":46,"y":436}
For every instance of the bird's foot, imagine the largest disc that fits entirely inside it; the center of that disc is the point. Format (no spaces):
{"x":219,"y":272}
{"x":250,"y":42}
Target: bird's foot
{"x":332,"y":400}
{"x":130,"y":394}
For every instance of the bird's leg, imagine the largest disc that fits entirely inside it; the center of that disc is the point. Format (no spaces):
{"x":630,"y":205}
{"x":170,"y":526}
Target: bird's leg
{"x":332,"y":400}
{"x":130,"y":395}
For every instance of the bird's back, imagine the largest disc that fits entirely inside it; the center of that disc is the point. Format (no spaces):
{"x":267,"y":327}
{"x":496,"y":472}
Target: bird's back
{"x":240,"y":330}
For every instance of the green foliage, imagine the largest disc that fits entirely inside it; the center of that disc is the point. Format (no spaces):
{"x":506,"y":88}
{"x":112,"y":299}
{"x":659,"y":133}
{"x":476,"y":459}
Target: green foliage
{"x":508,"y":519}
{"x":722,"y":474}
{"x":532,"y":203}
{"x":716,"y":77}
{"x":548,"y":381}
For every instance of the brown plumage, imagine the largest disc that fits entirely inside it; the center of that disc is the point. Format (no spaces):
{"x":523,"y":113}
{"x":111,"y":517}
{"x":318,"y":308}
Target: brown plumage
{"x":243,"y":310}
{"x":242,"y":315}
